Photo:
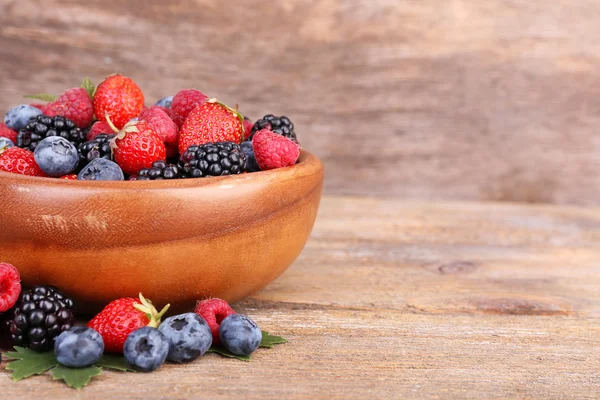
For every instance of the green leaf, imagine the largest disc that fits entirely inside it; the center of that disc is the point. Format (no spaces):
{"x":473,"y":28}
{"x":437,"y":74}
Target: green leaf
{"x":218,"y":349}
{"x":29,"y":362}
{"x":41,"y":96}
{"x":269,"y":341}
{"x":110,"y":361}
{"x":75,"y":377}
{"x":89,"y":87}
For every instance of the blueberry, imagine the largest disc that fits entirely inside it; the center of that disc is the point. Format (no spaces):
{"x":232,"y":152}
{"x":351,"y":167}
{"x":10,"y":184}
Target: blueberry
{"x":189,"y":337}
{"x":165,"y":102}
{"x":6,"y":143}
{"x":56,"y":156}
{"x":251,"y":164}
{"x":17,"y":117}
{"x":239,"y":334}
{"x":78,"y":347}
{"x":101,"y":169}
{"x":146,"y":349}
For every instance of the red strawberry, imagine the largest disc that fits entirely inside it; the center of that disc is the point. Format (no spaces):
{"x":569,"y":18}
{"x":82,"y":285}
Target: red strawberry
{"x":173,"y":115}
{"x":71,"y":177}
{"x":247,"y":128}
{"x":38,"y":105}
{"x":137,"y":146}
{"x":274,"y":151}
{"x":19,"y":161}
{"x":98,"y":128}
{"x":214,"y":312}
{"x":119,"y":98}
{"x":10,"y":286}
{"x":123,"y":316}
{"x":8,"y":133}
{"x":186,"y":100}
{"x":74,"y":104}
{"x":211,"y":122}
{"x":164,"y":127}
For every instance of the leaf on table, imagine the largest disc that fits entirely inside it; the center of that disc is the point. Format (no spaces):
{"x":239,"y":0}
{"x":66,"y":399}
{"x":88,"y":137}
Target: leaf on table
{"x":75,"y":377}
{"x":41,"y":96}
{"x":218,"y":349}
{"x":110,"y":361}
{"x":29,"y":362}
{"x":269,"y":341}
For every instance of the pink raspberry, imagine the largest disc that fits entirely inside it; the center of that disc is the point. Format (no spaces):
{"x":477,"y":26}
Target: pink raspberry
{"x":173,"y":115}
{"x":98,"y":128}
{"x":247,"y":128}
{"x":186,"y":100}
{"x":74,"y":104}
{"x":38,"y":105}
{"x":10,"y":286}
{"x":164,"y":127}
{"x":214,"y":311}
{"x":274,"y":151}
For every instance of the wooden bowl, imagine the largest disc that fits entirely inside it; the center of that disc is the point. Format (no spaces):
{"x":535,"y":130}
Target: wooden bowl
{"x":174,"y":241}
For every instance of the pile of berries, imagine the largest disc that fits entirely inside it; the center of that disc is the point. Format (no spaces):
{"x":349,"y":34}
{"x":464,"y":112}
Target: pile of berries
{"x":107,"y":133}
{"x":42,"y":319}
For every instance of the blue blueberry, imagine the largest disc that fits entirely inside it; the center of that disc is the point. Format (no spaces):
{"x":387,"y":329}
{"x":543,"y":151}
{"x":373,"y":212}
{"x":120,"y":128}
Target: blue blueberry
{"x":56,"y":156}
{"x":79,"y":347}
{"x":165,"y":102}
{"x":101,"y":169}
{"x":239,"y":334}
{"x":189,"y":337}
{"x":251,"y":164}
{"x":17,"y":117}
{"x":146,"y":349}
{"x":6,"y":143}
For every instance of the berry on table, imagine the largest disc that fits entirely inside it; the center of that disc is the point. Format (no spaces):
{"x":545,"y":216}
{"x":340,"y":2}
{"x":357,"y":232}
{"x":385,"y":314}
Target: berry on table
{"x":99,"y":128}
{"x":213,"y":159}
{"x":17,"y":117}
{"x":274,"y":151}
{"x":56,"y":156}
{"x":165,"y":101}
{"x":163,"y":126}
{"x":146,"y":349}
{"x":186,"y":100}
{"x":42,"y":126}
{"x":98,"y":147}
{"x":214,"y":311}
{"x":159,"y":170}
{"x":40,"y":315}
{"x":189,"y":337}
{"x":19,"y":161}
{"x":101,"y":169}
{"x":10,"y":286}
{"x":251,"y":164}
{"x":240,"y":335}
{"x":74,"y":104}
{"x":78,"y":347}
{"x":6,"y":143}
{"x":8,"y":133}
{"x":137,"y":146}
{"x":279,"y":125}
{"x":118,"y":98}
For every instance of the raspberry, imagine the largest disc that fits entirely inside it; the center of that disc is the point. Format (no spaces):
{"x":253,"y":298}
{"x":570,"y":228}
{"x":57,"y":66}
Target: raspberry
{"x":186,"y":100}
{"x":173,"y":115}
{"x":98,"y":128}
{"x":38,"y":106}
{"x":10,"y":286}
{"x":214,"y":311}
{"x":163,"y":126}
{"x":8,"y":133}
{"x":247,"y":128}
{"x":74,"y":104}
{"x":274,"y":151}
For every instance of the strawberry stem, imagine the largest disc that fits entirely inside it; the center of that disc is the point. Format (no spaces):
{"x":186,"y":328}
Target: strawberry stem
{"x":109,"y":122}
{"x":151,"y":313}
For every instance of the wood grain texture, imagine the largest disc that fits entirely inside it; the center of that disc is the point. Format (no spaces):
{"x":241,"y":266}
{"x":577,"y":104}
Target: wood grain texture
{"x":410,"y":300}
{"x":462,"y":99}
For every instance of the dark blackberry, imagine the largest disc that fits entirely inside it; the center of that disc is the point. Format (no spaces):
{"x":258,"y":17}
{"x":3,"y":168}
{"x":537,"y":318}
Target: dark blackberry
{"x":213,"y":159}
{"x":99,"y":147}
{"x":159,"y":170}
{"x":280,"y":125}
{"x":40,"y":315}
{"x":42,"y":126}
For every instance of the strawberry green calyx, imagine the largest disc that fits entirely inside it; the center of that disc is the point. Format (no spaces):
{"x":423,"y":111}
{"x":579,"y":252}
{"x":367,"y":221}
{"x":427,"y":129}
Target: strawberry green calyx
{"x":234,"y":112}
{"x":148,"y":308}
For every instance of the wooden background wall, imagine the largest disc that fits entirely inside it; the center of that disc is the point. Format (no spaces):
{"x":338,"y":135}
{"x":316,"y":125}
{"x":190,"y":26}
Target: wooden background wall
{"x":428,"y":99}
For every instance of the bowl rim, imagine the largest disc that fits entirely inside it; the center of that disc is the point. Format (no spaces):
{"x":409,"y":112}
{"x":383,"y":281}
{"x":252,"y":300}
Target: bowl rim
{"x":308,"y":164}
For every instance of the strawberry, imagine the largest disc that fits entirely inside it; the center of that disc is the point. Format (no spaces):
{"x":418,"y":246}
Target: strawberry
{"x":211,"y":122}
{"x":71,"y":177}
{"x":164,"y":127}
{"x":118,"y":98}
{"x":123,"y":316}
{"x":19,"y":161}
{"x":8,"y":133}
{"x":137,"y":146}
{"x":74,"y":104}
{"x":214,"y":312}
{"x":98,"y":128}
{"x":10,"y":286}
{"x":186,"y":100}
{"x":274,"y":151}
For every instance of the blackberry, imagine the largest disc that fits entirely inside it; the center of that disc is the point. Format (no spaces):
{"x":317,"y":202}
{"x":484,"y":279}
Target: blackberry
{"x":159,"y":170}
{"x":213,"y":159}
{"x":280,"y":125}
{"x":99,"y":147}
{"x":41,"y":314}
{"x":42,"y":126}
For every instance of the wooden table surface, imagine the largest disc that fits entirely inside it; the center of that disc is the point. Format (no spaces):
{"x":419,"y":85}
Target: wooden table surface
{"x":409,"y":300}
